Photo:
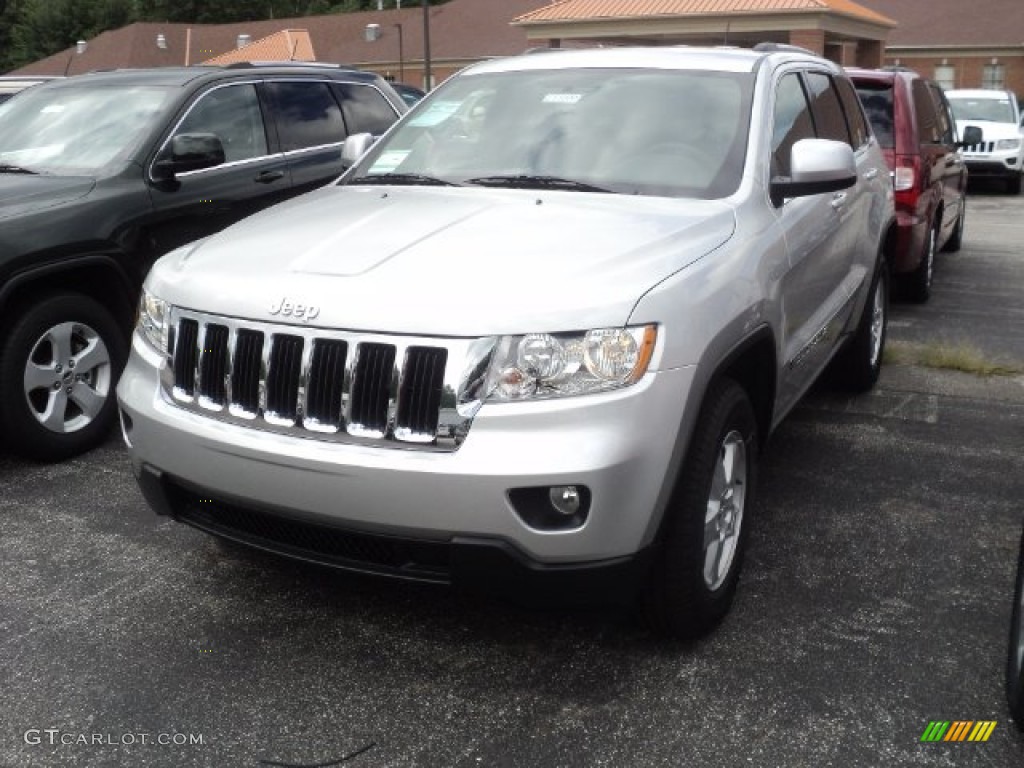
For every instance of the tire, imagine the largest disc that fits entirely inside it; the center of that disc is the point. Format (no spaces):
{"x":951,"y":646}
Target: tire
{"x":859,"y":364}
{"x":1013,"y":185}
{"x":58,"y":368}
{"x":956,"y":239}
{"x":919,"y":282}
{"x":694,"y":578}
{"x":1015,"y":653}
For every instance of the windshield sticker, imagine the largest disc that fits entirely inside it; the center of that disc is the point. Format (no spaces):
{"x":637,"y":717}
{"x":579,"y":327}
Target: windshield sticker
{"x":436,"y":114}
{"x":388,"y":161}
{"x":562,"y":98}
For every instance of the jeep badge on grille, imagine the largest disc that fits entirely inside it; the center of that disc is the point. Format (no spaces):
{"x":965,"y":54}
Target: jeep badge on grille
{"x":288,"y":308}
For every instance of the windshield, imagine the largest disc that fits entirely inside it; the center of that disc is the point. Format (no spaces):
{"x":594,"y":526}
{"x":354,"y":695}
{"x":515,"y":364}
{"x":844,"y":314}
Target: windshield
{"x":998,"y":110}
{"x":76,"y":129}
{"x":660,"y":132}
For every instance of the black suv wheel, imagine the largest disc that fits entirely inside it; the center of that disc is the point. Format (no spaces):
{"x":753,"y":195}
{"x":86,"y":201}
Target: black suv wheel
{"x":58,"y":368}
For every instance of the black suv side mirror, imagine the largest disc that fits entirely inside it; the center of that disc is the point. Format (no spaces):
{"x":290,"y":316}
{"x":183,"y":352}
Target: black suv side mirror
{"x":190,"y":152}
{"x":972,"y":136}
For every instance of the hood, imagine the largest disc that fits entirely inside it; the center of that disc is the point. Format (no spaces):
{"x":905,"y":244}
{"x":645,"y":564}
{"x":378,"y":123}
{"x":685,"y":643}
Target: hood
{"x":21,"y":193}
{"x":446,"y":261}
{"x":991,"y":131}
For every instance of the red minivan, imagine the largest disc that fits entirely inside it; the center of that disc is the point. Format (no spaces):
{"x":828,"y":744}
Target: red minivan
{"x":915,"y":128}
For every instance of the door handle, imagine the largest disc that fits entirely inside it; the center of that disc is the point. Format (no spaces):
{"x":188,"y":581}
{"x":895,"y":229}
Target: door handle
{"x":269,"y":177}
{"x":838,"y":200}
{"x":871,"y":174}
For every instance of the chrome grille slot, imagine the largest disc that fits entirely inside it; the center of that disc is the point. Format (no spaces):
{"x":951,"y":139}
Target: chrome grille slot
{"x":246,"y":372}
{"x":283,"y":377}
{"x":419,"y":393}
{"x":213,"y":366}
{"x":186,"y":359}
{"x":371,"y":389}
{"x":326,"y":378}
{"x":358,"y":388}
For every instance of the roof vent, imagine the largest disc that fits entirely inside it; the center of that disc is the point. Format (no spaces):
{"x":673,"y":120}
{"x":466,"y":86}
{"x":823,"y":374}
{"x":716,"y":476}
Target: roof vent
{"x":243,"y":40}
{"x":161,"y":42}
{"x":80,"y":47}
{"x":372,"y":32}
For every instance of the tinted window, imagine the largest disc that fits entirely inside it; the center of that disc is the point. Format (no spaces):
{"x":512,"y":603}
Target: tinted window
{"x":854,"y":115}
{"x":233,"y":114}
{"x":365,"y":108}
{"x":943,"y":118}
{"x":877,"y":101}
{"x":307,"y":114}
{"x":792,"y":122}
{"x":924,"y":109}
{"x":828,"y":112}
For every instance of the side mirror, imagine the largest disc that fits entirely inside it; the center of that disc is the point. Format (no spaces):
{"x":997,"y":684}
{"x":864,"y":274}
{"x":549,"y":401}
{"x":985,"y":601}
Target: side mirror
{"x":354,"y":147}
{"x":816,"y":166}
{"x":972,"y":135}
{"x":190,"y":152}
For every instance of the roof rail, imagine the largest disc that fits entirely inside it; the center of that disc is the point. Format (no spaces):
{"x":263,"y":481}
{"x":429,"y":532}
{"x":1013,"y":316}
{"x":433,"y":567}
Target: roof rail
{"x":769,"y":47}
{"x":286,"y":63}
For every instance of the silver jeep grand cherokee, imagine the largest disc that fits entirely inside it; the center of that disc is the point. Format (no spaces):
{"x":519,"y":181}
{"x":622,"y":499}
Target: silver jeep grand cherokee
{"x":534,"y":339}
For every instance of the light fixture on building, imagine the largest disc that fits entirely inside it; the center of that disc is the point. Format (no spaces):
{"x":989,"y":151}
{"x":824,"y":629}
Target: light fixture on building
{"x":243,"y":40}
{"x":161,"y":41}
{"x":994,"y":61}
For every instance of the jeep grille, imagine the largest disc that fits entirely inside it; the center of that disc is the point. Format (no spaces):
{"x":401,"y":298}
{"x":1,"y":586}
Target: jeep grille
{"x":325,"y":384}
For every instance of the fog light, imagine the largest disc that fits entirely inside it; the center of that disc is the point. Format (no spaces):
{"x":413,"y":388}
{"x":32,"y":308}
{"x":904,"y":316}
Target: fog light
{"x":565,"y":499}
{"x":552,"y":507}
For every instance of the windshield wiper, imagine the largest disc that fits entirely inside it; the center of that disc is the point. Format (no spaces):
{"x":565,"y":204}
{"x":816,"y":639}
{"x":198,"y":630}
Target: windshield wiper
{"x":403,"y":178}
{"x":525,"y":181}
{"x":5,"y":168}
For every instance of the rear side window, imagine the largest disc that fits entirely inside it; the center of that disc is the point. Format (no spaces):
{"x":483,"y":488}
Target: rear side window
{"x":307,"y":114}
{"x":828,"y":112}
{"x":924,"y":109}
{"x":943,"y":117}
{"x":877,"y":101}
{"x":365,"y":108}
{"x":859,"y":130}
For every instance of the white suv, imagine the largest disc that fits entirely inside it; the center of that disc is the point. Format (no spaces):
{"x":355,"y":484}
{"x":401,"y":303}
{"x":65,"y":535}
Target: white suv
{"x":536,"y":337}
{"x":1000,"y":155}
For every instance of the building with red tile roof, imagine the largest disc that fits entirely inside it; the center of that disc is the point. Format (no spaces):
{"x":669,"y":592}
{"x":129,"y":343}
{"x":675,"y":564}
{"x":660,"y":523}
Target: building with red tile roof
{"x":960,"y":44}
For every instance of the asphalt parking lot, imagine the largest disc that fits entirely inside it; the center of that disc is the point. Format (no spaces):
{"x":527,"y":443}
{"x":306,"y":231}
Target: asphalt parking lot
{"x":875,"y":599}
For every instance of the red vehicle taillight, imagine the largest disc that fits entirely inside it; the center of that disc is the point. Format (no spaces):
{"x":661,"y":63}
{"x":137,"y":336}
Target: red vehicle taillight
{"x":906,"y":179}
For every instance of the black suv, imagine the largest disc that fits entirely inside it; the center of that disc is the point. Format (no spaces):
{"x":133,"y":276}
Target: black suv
{"x":100,"y":174}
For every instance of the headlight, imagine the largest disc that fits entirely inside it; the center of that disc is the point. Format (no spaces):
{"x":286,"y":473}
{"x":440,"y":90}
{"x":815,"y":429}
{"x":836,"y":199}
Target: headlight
{"x":152,"y":322}
{"x":543,"y":365}
{"x":1007,"y":143}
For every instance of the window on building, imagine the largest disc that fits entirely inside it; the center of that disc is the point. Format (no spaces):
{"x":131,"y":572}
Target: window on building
{"x":994,"y":76}
{"x":945,"y":76}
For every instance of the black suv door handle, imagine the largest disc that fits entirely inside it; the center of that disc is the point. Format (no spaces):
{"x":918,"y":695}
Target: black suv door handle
{"x":269,"y":177}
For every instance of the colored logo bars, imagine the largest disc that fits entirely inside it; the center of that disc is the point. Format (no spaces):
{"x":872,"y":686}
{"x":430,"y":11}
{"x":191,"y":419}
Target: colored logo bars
{"x":958,"y":730}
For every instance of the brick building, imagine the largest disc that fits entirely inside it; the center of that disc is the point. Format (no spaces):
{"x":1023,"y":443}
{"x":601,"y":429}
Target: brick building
{"x":962,"y":45}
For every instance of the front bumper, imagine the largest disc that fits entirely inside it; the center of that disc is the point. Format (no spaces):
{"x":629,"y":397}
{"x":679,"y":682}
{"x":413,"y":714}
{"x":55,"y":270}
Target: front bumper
{"x":456,"y":505}
{"x":993,"y":165}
